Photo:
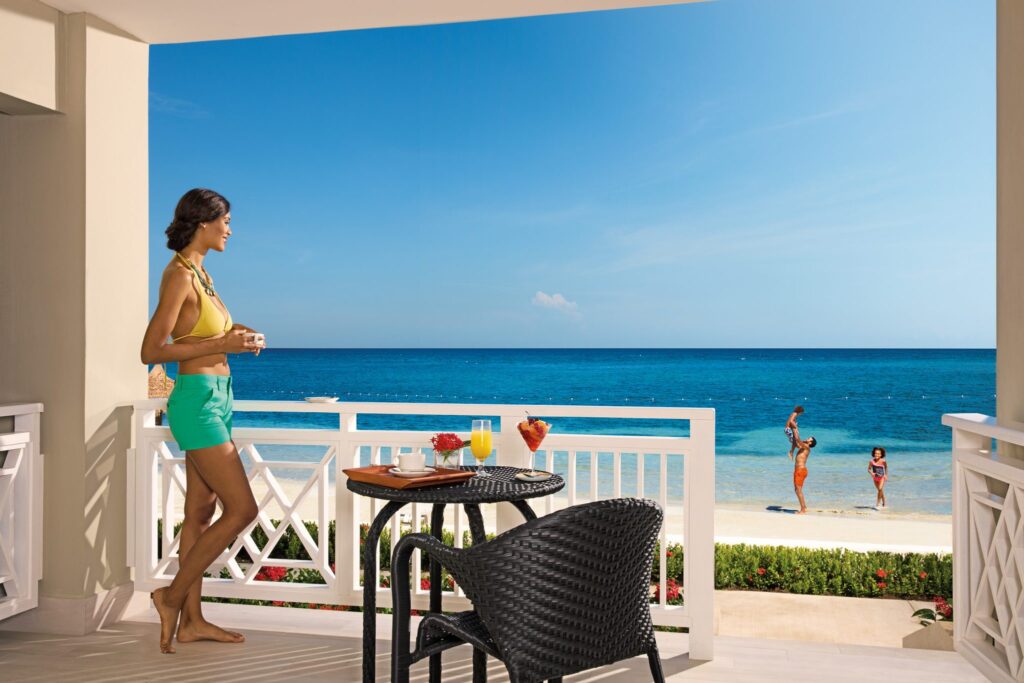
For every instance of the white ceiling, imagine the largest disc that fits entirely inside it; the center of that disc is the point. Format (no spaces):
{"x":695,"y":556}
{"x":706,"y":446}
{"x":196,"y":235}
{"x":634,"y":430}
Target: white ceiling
{"x":183,"y":21}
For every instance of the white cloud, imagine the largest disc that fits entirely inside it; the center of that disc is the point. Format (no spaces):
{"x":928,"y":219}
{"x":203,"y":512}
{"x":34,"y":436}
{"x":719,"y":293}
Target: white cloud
{"x":556,"y":302}
{"x":173,"y":106}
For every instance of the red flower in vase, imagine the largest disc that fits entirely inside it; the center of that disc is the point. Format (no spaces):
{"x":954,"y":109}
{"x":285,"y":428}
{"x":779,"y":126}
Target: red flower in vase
{"x":447,"y":442}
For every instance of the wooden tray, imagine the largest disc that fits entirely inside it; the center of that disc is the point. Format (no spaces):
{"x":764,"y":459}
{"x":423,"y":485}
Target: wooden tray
{"x":378,"y":475}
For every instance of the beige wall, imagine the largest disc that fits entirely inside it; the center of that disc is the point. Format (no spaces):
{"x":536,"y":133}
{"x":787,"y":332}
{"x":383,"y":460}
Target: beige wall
{"x":1010,"y":212}
{"x":29,"y":41}
{"x":116,"y":277}
{"x":73,"y":295}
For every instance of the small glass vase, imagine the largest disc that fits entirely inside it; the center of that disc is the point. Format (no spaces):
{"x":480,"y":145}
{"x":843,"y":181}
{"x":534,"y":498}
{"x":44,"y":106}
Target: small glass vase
{"x":446,"y":459}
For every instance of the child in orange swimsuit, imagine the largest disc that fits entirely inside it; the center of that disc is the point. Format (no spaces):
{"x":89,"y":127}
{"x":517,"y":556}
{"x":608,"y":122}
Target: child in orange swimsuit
{"x":878,"y":468}
{"x":800,"y":471}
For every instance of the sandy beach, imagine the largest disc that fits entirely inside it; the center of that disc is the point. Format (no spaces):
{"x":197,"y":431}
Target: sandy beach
{"x":861,"y":530}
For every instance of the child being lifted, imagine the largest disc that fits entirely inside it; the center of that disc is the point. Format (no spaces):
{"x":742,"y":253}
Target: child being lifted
{"x":793,"y":431}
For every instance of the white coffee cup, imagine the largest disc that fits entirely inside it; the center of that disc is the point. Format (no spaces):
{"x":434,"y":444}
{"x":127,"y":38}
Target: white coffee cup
{"x":412,"y":462}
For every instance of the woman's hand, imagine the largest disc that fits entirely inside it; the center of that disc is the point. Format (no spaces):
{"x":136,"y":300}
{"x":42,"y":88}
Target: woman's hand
{"x":249,"y":330}
{"x":239,"y":341}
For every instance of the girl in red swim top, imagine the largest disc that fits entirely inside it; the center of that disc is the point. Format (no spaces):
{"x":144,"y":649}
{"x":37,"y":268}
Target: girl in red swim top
{"x":878,"y":468}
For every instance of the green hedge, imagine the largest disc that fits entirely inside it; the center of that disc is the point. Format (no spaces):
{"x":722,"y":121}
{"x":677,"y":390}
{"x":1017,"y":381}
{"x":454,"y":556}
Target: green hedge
{"x":813,"y":571}
{"x":808,"y":571}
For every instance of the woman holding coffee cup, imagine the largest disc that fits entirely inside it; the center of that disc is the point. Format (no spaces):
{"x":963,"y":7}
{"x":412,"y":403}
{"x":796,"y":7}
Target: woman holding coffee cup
{"x":199,"y":409}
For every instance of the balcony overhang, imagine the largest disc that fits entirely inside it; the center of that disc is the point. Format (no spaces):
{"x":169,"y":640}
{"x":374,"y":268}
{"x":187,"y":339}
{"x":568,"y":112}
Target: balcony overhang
{"x":183,"y":21}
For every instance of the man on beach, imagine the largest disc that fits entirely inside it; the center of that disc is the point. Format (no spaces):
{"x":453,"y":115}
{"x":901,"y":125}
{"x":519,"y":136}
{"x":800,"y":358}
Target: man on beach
{"x":800,"y":470}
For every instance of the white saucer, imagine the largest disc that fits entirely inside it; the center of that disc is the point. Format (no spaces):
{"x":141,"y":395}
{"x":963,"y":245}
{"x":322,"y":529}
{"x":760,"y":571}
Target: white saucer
{"x":539,"y":476}
{"x":411,"y":475}
{"x":322,"y":399}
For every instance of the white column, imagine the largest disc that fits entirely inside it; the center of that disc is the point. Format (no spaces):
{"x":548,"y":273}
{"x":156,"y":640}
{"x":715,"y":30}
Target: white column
{"x":1010,"y":215}
{"x":73,"y":292}
{"x":699,"y":535}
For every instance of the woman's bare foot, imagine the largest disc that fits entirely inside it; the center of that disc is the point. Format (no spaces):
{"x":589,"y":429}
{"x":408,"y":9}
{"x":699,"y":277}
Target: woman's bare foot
{"x":204,"y":630}
{"x":168,"y":620}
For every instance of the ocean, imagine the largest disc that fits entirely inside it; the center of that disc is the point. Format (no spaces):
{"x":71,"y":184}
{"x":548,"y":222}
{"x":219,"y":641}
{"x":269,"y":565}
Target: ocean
{"x":854,"y":399}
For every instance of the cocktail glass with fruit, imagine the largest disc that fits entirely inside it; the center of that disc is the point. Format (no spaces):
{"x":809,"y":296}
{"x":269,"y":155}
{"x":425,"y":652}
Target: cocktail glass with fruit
{"x":533,"y":430}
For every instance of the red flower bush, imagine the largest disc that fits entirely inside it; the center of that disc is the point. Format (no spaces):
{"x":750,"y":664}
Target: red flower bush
{"x":271,"y":574}
{"x":424,"y":584}
{"x":943,"y":607}
{"x":881,"y":573}
{"x":668,"y":553}
{"x":882,"y":585}
{"x":446,"y":442}
{"x":923,"y":575}
{"x":671,"y":589}
{"x":760,"y":571}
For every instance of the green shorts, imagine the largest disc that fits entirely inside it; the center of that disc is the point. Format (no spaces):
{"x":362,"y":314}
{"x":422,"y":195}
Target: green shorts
{"x":199,"y":410}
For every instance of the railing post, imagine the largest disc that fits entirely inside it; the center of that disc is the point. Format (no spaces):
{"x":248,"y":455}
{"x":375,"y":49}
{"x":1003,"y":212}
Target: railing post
{"x":346,"y":518}
{"x":511,"y":453}
{"x":699,"y":537}
{"x":963,"y":440}
{"x":32,"y":461}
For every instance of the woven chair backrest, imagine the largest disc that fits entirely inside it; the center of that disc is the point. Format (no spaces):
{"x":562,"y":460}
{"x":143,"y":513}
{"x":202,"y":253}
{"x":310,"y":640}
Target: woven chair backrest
{"x":569,"y":591}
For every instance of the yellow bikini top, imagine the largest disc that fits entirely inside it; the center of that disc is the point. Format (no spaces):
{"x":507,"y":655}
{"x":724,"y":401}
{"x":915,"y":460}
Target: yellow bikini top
{"x":212,"y":322}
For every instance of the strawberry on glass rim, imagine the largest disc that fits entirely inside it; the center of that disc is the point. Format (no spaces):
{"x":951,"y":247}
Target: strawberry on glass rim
{"x":533,"y":430}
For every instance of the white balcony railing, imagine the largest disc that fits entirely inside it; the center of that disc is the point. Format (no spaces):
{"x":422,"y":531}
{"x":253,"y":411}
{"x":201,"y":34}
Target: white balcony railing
{"x":677,"y":471}
{"x":988,"y":546}
{"x":21,"y":510}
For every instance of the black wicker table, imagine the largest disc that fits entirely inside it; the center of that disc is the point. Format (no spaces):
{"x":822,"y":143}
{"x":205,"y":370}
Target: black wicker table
{"x":500,"y":487}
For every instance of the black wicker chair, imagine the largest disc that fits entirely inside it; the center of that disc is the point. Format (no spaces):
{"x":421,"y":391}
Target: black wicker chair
{"x":558,"y":595}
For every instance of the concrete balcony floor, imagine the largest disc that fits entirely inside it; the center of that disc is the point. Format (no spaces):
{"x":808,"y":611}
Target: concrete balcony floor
{"x":311,"y":645}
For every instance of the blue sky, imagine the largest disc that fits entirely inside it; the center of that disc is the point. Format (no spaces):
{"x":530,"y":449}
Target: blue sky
{"x":738,"y":173}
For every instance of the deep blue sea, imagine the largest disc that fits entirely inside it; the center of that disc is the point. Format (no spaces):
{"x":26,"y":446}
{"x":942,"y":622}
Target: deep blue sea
{"x":854,"y":399}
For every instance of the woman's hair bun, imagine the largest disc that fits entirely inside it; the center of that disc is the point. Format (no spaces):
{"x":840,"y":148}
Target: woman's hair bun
{"x":196,"y":206}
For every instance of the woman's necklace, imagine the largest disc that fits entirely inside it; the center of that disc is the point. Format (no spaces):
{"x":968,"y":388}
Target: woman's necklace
{"x":206,"y":282}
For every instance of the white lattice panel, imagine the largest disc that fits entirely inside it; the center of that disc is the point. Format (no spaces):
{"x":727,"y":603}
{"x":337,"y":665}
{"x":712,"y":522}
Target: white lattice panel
{"x":21,"y":510}
{"x":997,"y":544}
{"x":988,"y":547}
{"x":12,"y":451}
{"x":158,"y":484}
{"x":278,"y":512}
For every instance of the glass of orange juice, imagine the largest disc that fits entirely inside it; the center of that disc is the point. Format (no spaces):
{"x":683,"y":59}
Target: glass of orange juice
{"x":481,"y":444}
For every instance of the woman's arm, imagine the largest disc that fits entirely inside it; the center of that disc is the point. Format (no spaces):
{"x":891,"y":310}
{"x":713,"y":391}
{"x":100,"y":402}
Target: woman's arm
{"x":155,"y":348}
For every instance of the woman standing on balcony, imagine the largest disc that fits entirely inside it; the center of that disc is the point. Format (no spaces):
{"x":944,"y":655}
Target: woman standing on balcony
{"x":199,"y":409}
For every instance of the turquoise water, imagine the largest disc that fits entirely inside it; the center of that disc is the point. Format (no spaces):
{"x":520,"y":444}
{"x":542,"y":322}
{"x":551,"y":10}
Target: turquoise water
{"x":854,"y":399}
